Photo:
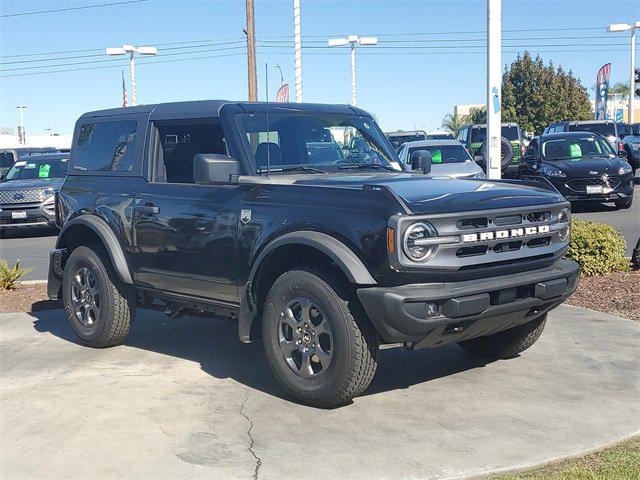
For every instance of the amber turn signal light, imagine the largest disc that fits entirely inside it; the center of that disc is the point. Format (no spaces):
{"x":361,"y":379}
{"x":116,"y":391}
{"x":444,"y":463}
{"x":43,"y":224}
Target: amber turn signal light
{"x":391,"y":240}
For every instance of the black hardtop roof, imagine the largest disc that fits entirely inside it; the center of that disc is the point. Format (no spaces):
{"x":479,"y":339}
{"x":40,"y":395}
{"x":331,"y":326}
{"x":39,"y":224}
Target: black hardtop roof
{"x":484,"y":125}
{"x":582,"y":122}
{"x":44,"y":156}
{"x":211,"y":108}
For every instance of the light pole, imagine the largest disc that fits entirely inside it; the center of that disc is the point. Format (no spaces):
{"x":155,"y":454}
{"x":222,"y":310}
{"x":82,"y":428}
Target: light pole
{"x":353,"y":40}
{"x":131,"y":50}
{"x":297,"y":46}
{"x":22,"y":139}
{"x":623,"y":27}
{"x":493,"y":143}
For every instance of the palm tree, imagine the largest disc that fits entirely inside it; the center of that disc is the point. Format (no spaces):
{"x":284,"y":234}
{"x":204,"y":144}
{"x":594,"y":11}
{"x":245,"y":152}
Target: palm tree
{"x":453,"y":122}
{"x":620,"y":88}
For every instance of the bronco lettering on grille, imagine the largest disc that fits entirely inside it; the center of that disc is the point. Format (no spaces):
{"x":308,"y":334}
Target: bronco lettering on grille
{"x":502,"y":234}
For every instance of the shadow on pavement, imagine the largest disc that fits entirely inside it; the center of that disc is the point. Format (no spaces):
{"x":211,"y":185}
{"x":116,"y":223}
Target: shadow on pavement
{"x":591,"y":207}
{"x":214,"y":344}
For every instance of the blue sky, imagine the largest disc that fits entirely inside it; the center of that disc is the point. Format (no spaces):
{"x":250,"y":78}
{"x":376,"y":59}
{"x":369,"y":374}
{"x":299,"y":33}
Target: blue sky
{"x":406,"y":81}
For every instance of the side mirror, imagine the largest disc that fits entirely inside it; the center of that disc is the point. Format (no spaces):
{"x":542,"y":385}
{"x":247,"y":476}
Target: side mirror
{"x":213,"y":168}
{"x":421,"y":160}
{"x":622,"y":153}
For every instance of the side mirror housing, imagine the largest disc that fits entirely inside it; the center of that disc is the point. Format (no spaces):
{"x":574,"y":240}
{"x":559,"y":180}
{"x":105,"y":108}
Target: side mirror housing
{"x":211,"y":168}
{"x":421,"y":160}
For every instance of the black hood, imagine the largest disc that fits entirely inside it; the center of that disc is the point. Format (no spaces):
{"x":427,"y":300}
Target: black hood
{"x":588,"y":167}
{"x":433,"y":195}
{"x":32,"y":184}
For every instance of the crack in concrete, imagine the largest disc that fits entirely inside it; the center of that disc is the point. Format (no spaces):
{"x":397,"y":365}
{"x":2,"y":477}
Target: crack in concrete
{"x":258,"y":460}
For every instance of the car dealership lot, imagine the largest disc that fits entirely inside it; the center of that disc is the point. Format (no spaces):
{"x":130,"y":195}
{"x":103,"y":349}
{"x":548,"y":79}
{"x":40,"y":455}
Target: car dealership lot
{"x":183,"y":398}
{"x":32,"y":246}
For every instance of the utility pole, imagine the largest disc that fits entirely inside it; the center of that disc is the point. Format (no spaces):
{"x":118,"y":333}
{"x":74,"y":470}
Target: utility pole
{"x":297,"y":46}
{"x":623,"y":27}
{"x":132,"y":51}
{"x":494,"y":89}
{"x":251,"y":53}
{"x":21,"y":133}
{"x":352,"y":41}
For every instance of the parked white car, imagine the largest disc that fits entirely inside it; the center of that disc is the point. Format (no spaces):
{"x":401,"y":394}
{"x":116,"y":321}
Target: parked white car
{"x":449,"y":158}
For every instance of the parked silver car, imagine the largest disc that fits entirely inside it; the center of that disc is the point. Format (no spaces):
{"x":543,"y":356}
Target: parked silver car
{"x":449,"y":158}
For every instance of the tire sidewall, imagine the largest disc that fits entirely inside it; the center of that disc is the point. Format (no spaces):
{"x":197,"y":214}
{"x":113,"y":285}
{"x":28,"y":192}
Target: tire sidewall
{"x":301,"y":283}
{"x":87,"y":257}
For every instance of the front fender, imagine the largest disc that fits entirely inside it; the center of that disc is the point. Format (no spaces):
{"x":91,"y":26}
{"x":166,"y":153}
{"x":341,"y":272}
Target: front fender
{"x":348,"y":262}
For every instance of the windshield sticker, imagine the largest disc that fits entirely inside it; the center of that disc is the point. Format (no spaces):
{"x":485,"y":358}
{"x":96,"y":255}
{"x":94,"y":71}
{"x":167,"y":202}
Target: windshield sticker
{"x":436,"y":156}
{"x":44,"y":170}
{"x":575,"y":151}
{"x":30,"y":166}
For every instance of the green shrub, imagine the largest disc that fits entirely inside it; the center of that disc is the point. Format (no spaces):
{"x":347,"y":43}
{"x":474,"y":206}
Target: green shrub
{"x":598,"y":248}
{"x":10,"y":276}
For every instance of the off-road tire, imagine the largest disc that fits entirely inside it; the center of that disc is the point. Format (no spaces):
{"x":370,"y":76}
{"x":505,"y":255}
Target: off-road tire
{"x":508,"y":343}
{"x":506,"y":152}
{"x":356,"y":342}
{"x":624,"y":203}
{"x":117,"y":309}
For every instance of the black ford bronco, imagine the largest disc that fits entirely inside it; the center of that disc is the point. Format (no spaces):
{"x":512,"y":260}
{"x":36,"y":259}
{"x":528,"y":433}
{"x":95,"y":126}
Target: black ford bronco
{"x":299,"y":222}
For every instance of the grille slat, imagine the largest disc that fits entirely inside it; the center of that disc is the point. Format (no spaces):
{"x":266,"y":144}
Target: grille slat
{"x":24,"y":196}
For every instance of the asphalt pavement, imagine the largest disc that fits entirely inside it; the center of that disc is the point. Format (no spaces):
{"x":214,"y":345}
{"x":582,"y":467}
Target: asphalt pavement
{"x":185,"y":399}
{"x":32,"y":246}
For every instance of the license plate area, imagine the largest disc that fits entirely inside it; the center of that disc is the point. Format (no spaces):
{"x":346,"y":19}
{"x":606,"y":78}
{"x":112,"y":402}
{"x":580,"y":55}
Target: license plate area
{"x":595,"y":189}
{"x":18,"y":215}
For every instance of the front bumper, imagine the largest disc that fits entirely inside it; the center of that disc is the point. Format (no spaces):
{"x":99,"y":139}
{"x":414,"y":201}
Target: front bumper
{"x":27,"y":215}
{"x":466,"y":309}
{"x":622,"y":191}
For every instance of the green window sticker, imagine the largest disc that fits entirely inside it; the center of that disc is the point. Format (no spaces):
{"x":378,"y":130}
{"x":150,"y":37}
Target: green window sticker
{"x":436,"y":156}
{"x":575,"y":151}
{"x":44,"y":170}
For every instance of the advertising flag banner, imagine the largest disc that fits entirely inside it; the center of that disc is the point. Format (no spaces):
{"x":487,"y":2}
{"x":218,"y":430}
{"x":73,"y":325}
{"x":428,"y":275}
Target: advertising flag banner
{"x":602,"y":91}
{"x":283,"y":93}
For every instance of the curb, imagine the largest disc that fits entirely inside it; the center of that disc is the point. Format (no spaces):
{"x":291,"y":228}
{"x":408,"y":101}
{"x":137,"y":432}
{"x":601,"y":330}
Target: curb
{"x":33,"y":282}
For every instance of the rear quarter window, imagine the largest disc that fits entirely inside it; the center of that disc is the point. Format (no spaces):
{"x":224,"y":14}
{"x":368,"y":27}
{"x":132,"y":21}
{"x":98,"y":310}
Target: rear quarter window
{"x":106,"y":147}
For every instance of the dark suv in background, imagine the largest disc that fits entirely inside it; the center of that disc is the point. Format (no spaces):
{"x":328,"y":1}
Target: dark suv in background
{"x":606,"y":128}
{"x":238,"y":210}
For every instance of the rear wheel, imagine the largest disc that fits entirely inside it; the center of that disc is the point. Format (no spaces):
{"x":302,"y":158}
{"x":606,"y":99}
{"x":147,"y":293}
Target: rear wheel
{"x":320,"y":346}
{"x":508,"y":343}
{"x":99,"y":307}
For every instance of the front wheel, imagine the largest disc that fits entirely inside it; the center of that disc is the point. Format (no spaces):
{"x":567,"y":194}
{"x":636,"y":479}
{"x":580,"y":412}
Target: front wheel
{"x":320,"y":346}
{"x":99,"y":307}
{"x":508,"y":343}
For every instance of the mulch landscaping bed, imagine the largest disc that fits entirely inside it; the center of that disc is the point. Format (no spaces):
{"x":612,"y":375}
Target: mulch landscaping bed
{"x":616,"y":293}
{"x":29,"y":297}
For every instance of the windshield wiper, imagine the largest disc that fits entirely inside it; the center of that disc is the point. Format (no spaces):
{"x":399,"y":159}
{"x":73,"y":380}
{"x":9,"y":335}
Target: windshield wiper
{"x":292,"y":168}
{"x":366,"y":165}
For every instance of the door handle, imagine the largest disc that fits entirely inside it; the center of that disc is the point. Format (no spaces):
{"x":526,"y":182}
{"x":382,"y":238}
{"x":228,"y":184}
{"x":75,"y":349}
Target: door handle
{"x":147,"y":209}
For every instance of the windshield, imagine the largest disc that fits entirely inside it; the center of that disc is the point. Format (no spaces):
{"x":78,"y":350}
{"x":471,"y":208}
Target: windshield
{"x":606,"y":129}
{"x":576,"y":148}
{"x":398,"y":140}
{"x":33,"y":169}
{"x":444,"y":153}
{"x":315,"y":142}
{"x":479,"y":134}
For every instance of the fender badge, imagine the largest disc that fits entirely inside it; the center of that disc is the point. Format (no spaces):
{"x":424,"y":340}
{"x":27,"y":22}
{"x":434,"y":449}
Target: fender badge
{"x":593,"y":172}
{"x":245,"y":216}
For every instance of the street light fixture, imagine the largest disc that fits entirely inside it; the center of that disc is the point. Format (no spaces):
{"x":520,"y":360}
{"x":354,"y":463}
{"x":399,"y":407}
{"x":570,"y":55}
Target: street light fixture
{"x":353,"y":40}
{"x":131,"y":51}
{"x":623,"y":27}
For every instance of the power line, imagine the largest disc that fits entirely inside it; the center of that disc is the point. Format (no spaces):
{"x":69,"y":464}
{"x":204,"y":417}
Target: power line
{"x":82,"y":7}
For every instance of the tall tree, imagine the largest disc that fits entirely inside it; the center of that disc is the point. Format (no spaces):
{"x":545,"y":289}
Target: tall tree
{"x":453,"y":122}
{"x":477,"y":115}
{"x":534,"y":95}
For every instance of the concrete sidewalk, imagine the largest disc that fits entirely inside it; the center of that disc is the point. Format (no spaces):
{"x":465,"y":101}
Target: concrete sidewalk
{"x":184,"y":399}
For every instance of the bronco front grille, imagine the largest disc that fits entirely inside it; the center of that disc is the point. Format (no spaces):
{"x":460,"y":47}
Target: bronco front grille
{"x":579,"y":185}
{"x":480,"y":239}
{"x":21,"y":196}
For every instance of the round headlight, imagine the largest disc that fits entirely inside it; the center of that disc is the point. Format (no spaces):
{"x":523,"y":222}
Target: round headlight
{"x":414,"y":249}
